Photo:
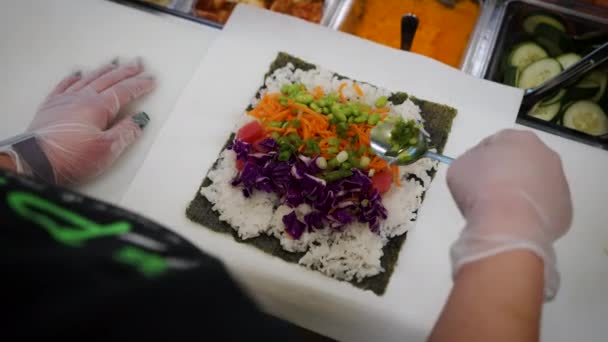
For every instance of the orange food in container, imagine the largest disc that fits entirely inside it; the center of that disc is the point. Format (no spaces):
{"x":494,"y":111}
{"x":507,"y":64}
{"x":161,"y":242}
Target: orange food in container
{"x":443,"y":31}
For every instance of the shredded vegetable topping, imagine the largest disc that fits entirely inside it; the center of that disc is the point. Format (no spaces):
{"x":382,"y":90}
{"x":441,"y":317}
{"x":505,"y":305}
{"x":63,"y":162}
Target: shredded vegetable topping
{"x":324,"y":126}
{"x":313,"y":148}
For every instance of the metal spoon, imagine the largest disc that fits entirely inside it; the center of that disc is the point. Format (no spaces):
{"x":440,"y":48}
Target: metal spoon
{"x":380,"y":143}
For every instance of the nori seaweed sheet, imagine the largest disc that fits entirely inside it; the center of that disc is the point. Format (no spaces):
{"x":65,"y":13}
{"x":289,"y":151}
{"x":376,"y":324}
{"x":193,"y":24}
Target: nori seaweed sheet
{"x":438,"y":122}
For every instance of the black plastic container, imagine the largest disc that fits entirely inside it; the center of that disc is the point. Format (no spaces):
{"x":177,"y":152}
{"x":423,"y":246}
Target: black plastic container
{"x":578,"y":21}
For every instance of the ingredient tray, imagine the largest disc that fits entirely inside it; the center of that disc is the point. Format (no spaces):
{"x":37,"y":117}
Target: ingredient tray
{"x":505,"y":31}
{"x":184,"y":9}
{"x":435,"y":37}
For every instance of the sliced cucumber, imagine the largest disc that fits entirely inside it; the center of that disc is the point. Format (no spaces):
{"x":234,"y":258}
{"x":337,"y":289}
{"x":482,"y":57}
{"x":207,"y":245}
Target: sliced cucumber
{"x":599,"y":77}
{"x":531,"y":22}
{"x":545,"y":112}
{"x":538,"y":72}
{"x":525,"y":54}
{"x":587,"y":117}
{"x":554,"y":99}
{"x":554,"y":41}
{"x":566,"y":60}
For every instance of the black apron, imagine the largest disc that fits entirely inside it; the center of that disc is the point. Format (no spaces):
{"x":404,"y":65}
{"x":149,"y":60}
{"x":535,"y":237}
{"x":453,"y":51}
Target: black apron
{"x":74,"y":267}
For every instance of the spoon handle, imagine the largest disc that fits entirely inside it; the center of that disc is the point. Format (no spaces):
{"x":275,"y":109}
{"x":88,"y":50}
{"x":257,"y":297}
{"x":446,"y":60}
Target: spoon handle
{"x":439,"y":157}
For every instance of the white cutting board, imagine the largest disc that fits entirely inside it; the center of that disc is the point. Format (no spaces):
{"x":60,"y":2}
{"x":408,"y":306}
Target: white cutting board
{"x":43,"y":41}
{"x":221,"y":88}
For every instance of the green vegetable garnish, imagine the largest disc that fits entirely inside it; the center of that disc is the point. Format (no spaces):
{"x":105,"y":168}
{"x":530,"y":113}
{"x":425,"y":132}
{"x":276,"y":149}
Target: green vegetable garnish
{"x":381,"y":102}
{"x":284,"y":156}
{"x":361,"y":118}
{"x":312,"y":147}
{"x":404,"y":135}
{"x":340,"y":116}
{"x":373,"y":119}
{"x":276,"y":124}
{"x":337,"y":175}
{"x":332,"y":150}
{"x":341,"y":128}
{"x":333,"y":163}
{"x":315,"y":107}
{"x":333,"y":141}
{"x":304,"y":98}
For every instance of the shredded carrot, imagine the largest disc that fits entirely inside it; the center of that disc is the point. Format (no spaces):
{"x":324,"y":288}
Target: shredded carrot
{"x":318,"y":92}
{"x":358,"y":89}
{"x":340,"y":89}
{"x":379,"y":110}
{"x":395,"y":170}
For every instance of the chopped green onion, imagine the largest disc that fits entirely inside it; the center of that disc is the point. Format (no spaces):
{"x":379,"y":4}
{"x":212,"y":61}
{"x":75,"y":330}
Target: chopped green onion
{"x":333,"y":163}
{"x":321,"y":163}
{"x":337,"y":175}
{"x":284,"y":156}
{"x":333,"y":141}
{"x":342,"y":156}
{"x":365,"y":161}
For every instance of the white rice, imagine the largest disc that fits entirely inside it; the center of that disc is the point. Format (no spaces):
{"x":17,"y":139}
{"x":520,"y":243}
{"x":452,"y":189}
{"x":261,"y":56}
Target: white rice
{"x":355,"y":252}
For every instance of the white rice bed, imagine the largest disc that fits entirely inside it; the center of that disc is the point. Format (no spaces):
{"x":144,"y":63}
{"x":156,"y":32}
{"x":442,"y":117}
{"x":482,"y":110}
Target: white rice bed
{"x":355,"y":252}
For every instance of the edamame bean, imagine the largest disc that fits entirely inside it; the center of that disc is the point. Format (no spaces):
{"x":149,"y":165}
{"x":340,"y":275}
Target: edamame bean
{"x":381,"y":101}
{"x":304,"y":98}
{"x":373,"y":119}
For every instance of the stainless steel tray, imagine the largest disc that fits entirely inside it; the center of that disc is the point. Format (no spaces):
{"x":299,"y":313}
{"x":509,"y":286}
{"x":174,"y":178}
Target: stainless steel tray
{"x":183,"y":9}
{"x":348,"y":12}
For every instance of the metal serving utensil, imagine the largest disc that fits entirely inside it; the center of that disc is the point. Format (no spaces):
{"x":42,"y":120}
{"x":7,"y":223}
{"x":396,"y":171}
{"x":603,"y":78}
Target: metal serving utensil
{"x":571,"y":74}
{"x":380,"y":143}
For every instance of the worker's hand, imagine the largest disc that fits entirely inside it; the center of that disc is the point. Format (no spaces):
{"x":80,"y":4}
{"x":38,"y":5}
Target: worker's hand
{"x":77,"y":126}
{"x":512,"y":191}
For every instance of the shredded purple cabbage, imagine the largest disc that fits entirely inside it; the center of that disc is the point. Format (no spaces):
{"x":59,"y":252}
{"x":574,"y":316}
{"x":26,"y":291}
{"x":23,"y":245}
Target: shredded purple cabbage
{"x":293,"y":226}
{"x":296,"y":182}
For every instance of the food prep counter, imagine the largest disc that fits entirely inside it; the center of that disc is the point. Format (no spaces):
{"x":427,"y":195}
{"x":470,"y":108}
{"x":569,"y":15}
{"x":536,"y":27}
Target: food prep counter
{"x":327,"y":308}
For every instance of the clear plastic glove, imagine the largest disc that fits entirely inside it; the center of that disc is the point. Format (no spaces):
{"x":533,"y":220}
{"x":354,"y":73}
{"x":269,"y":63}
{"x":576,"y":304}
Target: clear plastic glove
{"x":76,"y":126}
{"x":513,"y":193}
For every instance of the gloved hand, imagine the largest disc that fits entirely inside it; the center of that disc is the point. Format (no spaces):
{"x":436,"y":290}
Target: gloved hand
{"x":513,"y":193}
{"x":76,"y":128}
